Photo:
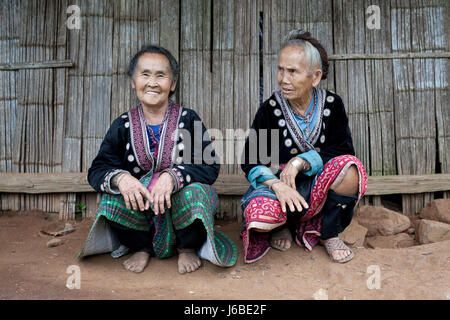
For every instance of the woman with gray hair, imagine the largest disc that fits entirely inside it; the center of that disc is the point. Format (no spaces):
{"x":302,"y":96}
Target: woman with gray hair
{"x":310,"y":194}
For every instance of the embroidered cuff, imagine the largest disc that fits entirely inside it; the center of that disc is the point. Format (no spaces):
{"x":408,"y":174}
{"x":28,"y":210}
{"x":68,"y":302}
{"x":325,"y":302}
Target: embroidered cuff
{"x":315,"y":161}
{"x":107,"y":185}
{"x":258,"y":175}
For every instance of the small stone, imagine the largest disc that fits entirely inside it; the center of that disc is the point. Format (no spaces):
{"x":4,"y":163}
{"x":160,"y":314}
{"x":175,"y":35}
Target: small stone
{"x":437,"y":210}
{"x":380,"y":221}
{"x":400,"y":240}
{"x":68,"y":228}
{"x":354,"y":234}
{"x":191,"y":292}
{"x":54,"y":243}
{"x":430,"y":231}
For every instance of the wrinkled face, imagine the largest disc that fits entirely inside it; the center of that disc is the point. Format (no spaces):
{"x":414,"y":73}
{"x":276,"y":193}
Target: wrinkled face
{"x":295,"y":77}
{"x":152,"y":80}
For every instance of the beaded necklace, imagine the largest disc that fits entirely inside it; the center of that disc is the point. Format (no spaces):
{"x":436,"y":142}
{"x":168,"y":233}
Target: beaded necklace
{"x":306,"y":118}
{"x":153,"y":140}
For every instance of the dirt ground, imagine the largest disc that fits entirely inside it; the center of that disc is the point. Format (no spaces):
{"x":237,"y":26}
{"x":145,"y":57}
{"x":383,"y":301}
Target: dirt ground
{"x":31,"y":270}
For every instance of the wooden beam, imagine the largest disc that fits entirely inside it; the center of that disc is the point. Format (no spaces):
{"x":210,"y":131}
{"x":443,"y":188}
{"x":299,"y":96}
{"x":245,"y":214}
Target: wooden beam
{"x":36,"y":65}
{"x":226,"y":184}
{"x":38,"y":183}
{"x":376,"y":56}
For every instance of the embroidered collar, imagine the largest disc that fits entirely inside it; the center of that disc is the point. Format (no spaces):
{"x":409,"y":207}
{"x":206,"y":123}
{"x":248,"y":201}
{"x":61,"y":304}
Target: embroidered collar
{"x":305,"y":144}
{"x":141,"y":144}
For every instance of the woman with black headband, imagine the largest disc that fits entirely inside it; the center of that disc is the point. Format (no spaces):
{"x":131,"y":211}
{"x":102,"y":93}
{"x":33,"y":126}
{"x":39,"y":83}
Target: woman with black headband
{"x":310,"y":193}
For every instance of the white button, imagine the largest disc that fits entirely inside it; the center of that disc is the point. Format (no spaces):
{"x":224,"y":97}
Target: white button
{"x":102,"y":188}
{"x":277,"y":112}
{"x":136,"y":169}
{"x":124,"y":116}
{"x":127,"y":124}
{"x":179,"y":160}
{"x":326,"y":112}
{"x":288,"y":142}
{"x":285,"y":132}
{"x":330,"y":99}
{"x":281,"y":123}
{"x":272,"y":102}
{"x":181,"y":167}
{"x":181,"y":125}
{"x":181,"y":146}
{"x":131,"y":158}
{"x":294,"y":151}
{"x":323,"y":125}
{"x":184,"y":113}
{"x":128,"y":146}
{"x":181,"y":135}
{"x":188,"y":178}
{"x":322,"y":139}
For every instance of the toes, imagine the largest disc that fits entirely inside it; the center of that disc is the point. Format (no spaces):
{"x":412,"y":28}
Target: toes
{"x":341,"y":254}
{"x":181,"y":269}
{"x":135,"y":265}
{"x":188,"y":262}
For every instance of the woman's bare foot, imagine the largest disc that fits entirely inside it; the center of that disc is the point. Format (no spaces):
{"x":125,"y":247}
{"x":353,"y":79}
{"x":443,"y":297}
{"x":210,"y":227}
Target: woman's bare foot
{"x":137,"y":262}
{"x":188,"y":261}
{"x":281,"y":239}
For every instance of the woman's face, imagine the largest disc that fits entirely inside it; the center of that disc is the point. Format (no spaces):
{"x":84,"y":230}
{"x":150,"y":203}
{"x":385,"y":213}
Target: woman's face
{"x":294,"y":76}
{"x":152,"y":80}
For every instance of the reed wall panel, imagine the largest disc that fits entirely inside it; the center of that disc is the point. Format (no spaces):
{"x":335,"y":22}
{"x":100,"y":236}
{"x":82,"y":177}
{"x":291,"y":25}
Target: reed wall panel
{"x":54,"y":119}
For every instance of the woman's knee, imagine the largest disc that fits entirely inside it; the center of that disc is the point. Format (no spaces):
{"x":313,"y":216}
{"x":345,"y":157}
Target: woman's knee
{"x":349,"y":183}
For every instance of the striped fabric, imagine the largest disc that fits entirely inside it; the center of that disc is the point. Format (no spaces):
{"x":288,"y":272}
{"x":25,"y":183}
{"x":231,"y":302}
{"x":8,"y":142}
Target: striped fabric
{"x":195,"y":201}
{"x":263,"y":211}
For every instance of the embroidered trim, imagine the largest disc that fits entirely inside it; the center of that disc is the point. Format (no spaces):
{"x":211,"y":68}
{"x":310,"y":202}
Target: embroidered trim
{"x":296,"y":133}
{"x":139,"y":140}
{"x":179,"y":177}
{"x":107,"y":181}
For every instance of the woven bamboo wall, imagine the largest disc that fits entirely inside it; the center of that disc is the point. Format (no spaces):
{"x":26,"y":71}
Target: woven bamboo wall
{"x":54,"y":119}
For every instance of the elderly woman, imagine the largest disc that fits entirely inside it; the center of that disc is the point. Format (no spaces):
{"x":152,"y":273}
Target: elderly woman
{"x":158,"y":199}
{"x":311,"y":184}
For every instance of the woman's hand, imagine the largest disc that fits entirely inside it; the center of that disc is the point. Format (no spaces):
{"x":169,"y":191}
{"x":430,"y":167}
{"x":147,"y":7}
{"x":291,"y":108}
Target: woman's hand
{"x":133,"y":192}
{"x":161,"y":192}
{"x":289,"y":173}
{"x":289,"y":197}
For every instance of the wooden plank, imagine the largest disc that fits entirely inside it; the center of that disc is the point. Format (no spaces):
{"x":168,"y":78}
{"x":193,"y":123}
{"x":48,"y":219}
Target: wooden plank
{"x":44,"y":183}
{"x":226,"y":184}
{"x":37,"y":65}
{"x":389,"y":56}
